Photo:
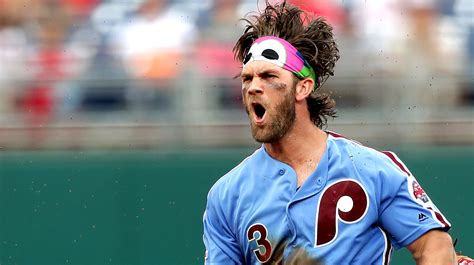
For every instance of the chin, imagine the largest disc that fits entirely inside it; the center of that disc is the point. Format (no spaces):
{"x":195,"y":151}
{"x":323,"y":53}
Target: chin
{"x":263,"y":137}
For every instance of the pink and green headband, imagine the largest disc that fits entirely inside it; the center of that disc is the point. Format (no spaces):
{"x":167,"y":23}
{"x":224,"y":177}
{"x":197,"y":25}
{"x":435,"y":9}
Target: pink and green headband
{"x":280,"y":52}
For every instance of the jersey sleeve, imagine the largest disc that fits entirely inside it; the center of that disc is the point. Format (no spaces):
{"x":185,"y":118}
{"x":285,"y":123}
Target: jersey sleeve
{"x":406,"y":211}
{"x":221,"y":245}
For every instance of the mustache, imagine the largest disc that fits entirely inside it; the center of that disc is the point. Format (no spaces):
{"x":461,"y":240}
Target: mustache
{"x":246,"y":101}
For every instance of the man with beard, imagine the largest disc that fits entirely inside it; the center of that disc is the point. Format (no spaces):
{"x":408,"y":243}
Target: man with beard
{"x":309,"y":191}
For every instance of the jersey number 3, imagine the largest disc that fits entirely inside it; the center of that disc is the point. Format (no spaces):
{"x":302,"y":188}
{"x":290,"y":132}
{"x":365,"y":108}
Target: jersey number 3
{"x":345,"y":201}
{"x":259,"y":232}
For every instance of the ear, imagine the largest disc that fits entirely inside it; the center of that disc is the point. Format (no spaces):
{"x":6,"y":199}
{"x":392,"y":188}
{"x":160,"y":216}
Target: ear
{"x":304,"y":88}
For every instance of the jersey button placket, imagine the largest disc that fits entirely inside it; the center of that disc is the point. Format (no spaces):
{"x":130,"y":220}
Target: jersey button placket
{"x":319,"y":181}
{"x":291,"y":224}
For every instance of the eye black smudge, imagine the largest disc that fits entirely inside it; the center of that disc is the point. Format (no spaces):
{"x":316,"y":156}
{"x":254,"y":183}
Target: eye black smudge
{"x":278,"y":86}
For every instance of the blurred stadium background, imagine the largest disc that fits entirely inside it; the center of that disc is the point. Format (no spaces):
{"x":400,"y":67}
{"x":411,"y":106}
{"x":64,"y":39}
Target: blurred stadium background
{"x":117,"y":116}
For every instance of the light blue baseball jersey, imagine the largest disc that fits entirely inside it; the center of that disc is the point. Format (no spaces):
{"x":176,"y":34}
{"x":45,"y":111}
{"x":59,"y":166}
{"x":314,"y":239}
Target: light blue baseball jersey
{"x":356,"y":205}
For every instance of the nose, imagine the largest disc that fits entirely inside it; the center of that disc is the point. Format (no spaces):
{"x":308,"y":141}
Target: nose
{"x":255,"y":87}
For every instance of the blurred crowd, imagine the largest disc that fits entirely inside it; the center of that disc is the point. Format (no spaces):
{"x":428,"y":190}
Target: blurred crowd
{"x":149,"y":59}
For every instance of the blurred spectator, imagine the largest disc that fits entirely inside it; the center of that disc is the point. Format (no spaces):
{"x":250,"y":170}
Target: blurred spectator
{"x":216,"y":65}
{"x":429,"y":63}
{"x":13,"y":52}
{"x":104,"y":83}
{"x":411,"y":50}
{"x":153,"y":45}
{"x":381,"y":26}
{"x":464,"y":11}
{"x":332,"y":10}
{"x":80,"y":9}
{"x":155,"y":39}
{"x":49,"y":63}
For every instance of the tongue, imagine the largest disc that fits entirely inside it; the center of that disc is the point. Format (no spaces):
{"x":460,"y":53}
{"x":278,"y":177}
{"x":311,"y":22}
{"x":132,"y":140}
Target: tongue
{"x":259,"y":118}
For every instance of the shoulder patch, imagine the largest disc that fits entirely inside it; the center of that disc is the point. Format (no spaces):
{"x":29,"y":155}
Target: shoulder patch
{"x":416,"y":191}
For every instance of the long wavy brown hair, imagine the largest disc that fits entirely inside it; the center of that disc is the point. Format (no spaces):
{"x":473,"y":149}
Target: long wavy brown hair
{"x":312,"y":36}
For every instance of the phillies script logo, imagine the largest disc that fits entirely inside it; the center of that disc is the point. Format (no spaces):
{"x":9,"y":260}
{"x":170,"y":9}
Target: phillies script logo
{"x":419,"y":192}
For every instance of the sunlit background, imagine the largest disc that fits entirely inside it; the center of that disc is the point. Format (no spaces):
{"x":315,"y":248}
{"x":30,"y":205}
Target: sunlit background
{"x":102,"y":101}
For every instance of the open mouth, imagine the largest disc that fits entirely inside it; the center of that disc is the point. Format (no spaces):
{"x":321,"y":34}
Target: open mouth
{"x":259,"y":111}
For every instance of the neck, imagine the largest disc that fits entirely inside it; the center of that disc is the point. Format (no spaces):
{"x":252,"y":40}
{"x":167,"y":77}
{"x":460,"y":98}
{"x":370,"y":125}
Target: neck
{"x":297,"y":145}
{"x":301,"y":148}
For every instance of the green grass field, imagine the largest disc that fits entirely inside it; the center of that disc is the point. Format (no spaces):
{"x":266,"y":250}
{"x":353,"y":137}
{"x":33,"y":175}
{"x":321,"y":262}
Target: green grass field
{"x":145,"y":207}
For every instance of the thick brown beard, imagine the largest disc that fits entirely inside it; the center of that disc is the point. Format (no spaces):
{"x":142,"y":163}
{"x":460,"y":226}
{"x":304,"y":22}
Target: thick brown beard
{"x":284,"y":115}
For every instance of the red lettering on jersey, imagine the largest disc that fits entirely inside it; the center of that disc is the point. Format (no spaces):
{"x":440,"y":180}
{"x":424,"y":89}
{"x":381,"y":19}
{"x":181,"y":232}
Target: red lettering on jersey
{"x":345,"y":200}
{"x":262,"y":242}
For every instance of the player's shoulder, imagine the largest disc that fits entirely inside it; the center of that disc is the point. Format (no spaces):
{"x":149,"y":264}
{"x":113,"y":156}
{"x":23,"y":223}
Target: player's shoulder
{"x":349,"y":147}
{"x":236,"y":176}
{"x":366,"y":157}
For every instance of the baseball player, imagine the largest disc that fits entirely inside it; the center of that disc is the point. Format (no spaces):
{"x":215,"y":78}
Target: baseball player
{"x":306,"y":188}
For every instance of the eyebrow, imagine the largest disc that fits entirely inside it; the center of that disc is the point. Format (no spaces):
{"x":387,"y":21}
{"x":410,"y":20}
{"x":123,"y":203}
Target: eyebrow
{"x":245,"y":76}
{"x":268,"y":72}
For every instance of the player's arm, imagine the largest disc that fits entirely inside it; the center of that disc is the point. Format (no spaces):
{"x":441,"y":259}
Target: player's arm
{"x":411,"y":218}
{"x":221,"y":246}
{"x":221,"y":249}
{"x":434,"y":247}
